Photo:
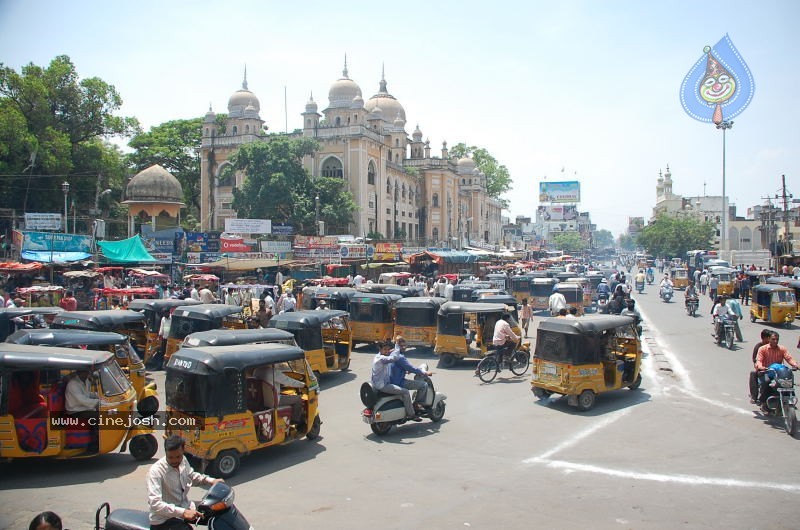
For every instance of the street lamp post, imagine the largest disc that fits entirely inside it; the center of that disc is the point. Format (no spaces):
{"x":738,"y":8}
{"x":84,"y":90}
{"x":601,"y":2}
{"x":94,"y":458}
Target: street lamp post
{"x":65,"y":189}
{"x":724,"y":125}
{"x":316,"y":213}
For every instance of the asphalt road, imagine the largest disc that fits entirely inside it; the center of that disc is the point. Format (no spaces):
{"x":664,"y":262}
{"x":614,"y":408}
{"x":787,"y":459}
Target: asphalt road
{"x":686,"y":450}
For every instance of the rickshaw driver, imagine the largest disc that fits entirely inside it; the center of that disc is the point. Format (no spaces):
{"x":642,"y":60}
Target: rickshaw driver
{"x":504,"y":337}
{"x":690,"y":293}
{"x":275,"y":377}
{"x":80,"y":402}
{"x":381,"y":373}
{"x":168,"y":483}
{"x":399,"y":369}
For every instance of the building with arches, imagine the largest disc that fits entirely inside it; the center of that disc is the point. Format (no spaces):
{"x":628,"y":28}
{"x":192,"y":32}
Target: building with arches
{"x":155,"y":197}
{"x":403,"y":192}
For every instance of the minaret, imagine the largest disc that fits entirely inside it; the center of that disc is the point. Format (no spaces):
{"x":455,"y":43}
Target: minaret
{"x":310,"y":117}
{"x":667,"y":184}
{"x":660,"y":187}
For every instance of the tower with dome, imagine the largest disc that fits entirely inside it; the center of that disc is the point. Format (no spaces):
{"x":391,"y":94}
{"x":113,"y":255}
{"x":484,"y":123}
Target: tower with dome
{"x":402,"y":190}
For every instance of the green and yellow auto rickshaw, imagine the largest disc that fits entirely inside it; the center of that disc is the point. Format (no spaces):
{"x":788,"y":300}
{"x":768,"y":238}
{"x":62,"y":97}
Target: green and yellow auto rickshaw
{"x":541,"y":289}
{"x":154,"y":309}
{"x":201,"y":317}
{"x":583,"y":357}
{"x":774,"y":304}
{"x":521,"y":287}
{"x":33,"y":418}
{"x":788,"y":281}
{"x":372,"y":316}
{"x":725,"y":277}
{"x":235,"y":400}
{"x":415,"y":320}
{"x":324,"y":334}
{"x":680,"y":278}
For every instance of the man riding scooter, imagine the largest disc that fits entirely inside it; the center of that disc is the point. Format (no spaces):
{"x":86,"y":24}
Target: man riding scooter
{"x":381,"y":375}
{"x":400,"y":367}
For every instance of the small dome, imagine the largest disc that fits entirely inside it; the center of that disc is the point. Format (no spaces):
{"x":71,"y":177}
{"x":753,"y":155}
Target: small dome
{"x":211,"y":117}
{"x":358,"y":103}
{"x":311,"y":106}
{"x":376,"y":114}
{"x":387,"y":102}
{"x":343,"y":91}
{"x":154,"y":184}
{"x":466,"y":166}
{"x":241,"y":99}
{"x":417,"y":134}
{"x":399,"y":122}
{"x":250,"y":111}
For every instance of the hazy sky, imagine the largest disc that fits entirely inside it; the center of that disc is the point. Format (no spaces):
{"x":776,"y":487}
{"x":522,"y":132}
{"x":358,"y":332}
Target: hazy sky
{"x":588,"y":86}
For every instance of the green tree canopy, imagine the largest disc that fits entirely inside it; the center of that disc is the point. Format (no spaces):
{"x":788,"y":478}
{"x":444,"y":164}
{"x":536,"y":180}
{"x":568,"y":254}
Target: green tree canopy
{"x":626,"y":242}
{"x":603,"y":239}
{"x":174,"y":146}
{"x":51,"y":129}
{"x":277,"y":187}
{"x":498,"y":180}
{"x":670,"y":236}
{"x":569,"y":242}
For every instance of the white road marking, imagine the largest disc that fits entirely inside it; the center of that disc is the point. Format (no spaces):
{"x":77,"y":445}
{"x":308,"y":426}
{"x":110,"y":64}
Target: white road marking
{"x":720,"y":404}
{"x":603,"y":423}
{"x":693,"y":480}
{"x":677,"y":368}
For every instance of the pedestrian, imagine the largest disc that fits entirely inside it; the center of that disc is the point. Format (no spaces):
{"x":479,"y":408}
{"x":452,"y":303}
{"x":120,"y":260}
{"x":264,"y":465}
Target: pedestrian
{"x":46,"y":521}
{"x":737,"y":282}
{"x":704,"y":282}
{"x":744,"y":289}
{"x":713,"y":284}
{"x":526,"y":314}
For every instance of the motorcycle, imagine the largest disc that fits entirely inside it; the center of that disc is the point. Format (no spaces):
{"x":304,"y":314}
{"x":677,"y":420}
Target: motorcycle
{"x":602,"y":303}
{"x":640,"y":287}
{"x":724,"y":331}
{"x":386,"y":410}
{"x":666,"y":293}
{"x":216,"y":511}
{"x":692,"y":304}
{"x":650,"y":278}
{"x":781,"y":400}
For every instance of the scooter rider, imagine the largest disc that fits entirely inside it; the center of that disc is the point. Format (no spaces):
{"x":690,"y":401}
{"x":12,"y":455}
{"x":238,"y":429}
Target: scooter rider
{"x":381,"y":372}
{"x":603,"y":290}
{"x":632,"y":311}
{"x":768,"y":354}
{"x":719,"y":312}
{"x":400,"y":367}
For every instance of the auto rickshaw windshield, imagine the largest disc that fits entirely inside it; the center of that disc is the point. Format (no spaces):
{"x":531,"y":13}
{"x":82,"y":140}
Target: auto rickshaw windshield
{"x":783,"y":297}
{"x":112,"y":379}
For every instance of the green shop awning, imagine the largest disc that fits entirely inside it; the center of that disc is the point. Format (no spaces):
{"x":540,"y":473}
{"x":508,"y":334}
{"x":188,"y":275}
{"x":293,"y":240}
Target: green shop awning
{"x":130,"y":250}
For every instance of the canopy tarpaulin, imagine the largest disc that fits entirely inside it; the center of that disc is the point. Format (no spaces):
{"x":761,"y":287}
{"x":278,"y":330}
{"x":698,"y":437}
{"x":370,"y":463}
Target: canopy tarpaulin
{"x":378,"y":264}
{"x":13,"y":266}
{"x":129,"y":250}
{"x":444,"y":256}
{"x":236,"y":264}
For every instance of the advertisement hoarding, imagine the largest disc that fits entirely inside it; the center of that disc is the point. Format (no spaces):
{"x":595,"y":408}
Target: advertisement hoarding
{"x":276,"y":247}
{"x":388,"y":251}
{"x":202,"y":241}
{"x":316,"y":241}
{"x":557,"y":213}
{"x":55,"y":242}
{"x":43,"y":221}
{"x":248,"y":226}
{"x":561,"y":192}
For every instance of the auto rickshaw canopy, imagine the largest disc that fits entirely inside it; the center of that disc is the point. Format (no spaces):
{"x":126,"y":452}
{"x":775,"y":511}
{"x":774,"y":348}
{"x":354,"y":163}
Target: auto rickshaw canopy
{"x":66,"y":337}
{"x":418,"y":311}
{"x":763,"y":294}
{"x":232,"y":337}
{"x":23,"y":357}
{"x":101,"y":320}
{"x":160,"y":304}
{"x":207,"y":312}
{"x":577,"y":340}
{"x":211,"y":360}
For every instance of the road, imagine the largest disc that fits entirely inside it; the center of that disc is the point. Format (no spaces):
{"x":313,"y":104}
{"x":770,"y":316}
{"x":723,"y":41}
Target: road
{"x":686,"y":450}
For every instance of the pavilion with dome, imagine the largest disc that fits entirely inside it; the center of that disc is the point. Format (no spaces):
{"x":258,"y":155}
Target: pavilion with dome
{"x":153,"y":196}
{"x":402,"y":190}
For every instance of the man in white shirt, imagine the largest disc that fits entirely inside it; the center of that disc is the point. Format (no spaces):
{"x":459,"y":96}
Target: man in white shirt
{"x":206,"y":296}
{"x":556,"y":302}
{"x":82,"y":403}
{"x":290,"y":303}
{"x":358,"y":280}
{"x":504,"y":338}
{"x":195,"y":293}
{"x":448,"y":290}
{"x":168,"y":484}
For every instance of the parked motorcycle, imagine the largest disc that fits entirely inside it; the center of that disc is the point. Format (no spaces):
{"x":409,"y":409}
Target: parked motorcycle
{"x":666,"y":293}
{"x":781,"y":399}
{"x":386,"y":410}
{"x":216,"y":511}
{"x":724,"y":332}
{"x":692,"y":304}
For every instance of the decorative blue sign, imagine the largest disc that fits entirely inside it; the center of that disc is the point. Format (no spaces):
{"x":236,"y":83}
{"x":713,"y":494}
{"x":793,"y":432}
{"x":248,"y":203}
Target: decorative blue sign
{"x":719,"y":86}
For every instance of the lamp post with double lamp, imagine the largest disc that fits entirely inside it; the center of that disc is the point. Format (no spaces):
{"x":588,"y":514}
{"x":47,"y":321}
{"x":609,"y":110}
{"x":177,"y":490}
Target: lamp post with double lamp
{"x":724,"y":125}
{"x":65,"y":189}
{"x":316,"y":214}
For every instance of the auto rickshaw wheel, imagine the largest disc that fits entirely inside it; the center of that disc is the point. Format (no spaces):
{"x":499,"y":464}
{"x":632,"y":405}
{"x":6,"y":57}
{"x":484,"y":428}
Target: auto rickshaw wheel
{"x":752,"y":317}
{"x":346,"y":366}
{"x":586,"y":400}
{"x":636,"y":384}
{"x":148,"y":406}
{"x":226,"y":464}
{"x":541,"y":393}
{"x":447,"y":360}
{"x":143,"y":446}
{"x":438,"y":412}
{"x":381,"y":428}
{"x":313,"y":432}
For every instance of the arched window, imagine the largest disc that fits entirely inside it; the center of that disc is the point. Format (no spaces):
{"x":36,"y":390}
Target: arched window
{"x":435,"y":200}
{"x":435,"y":234}
{"x":463,"y":181}
{"x":308,"y":123}
{"x":332,"y":167}
{"x":247,"y":129}
{"x":371,"y":173}
{"x":389,"y":156}
{"x":338,"y":121}
{"x":397,"y":142}
{"x":388,"y":186}
{"x":206,"y":133}
{"x":355,"y":118}
{"x":397,"y":159}
{"x":404,"y":191}
{"x":225,"y":174}
{"x":733,"y":238}
{"x":746,"y":239}
{"x":235,"y":130}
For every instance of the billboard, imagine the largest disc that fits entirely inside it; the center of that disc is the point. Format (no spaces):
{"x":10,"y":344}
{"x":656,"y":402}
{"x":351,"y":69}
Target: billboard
{"x":567,"y":212}
{"x":635,"y":224}
{"x":569,"y":191}
{"x":234,"y":244}
{"x":56,"y":242}
{"x":202,"y":241}
{"x":42,"y":221}
{"x":248,"y":226}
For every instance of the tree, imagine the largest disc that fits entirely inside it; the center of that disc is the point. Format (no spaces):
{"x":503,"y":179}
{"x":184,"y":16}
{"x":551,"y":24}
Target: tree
{"x":52,"y":127}
{"x":603,"y":239}
{"x":277,"y":187}
{"x":670,"y":236}
{"x":174,"y":146}
{"x":498,"y":180}
{"x":626,"y":242}
{"x":569,"y":242}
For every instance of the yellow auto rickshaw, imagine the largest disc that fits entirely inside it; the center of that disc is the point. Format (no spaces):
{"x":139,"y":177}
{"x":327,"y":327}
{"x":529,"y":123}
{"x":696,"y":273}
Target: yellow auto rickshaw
{"x":521,"y":287}
{"x":788,"y":281}
{"x":680,"y":278}
{"x":586,"y":288}
{"x":241,"y":400}
{"x":33,"y":419}
{"x":464,"y":330}
{"x":116,"y":343}
{"x":541,"y":289}
{"x":573,"y":294}
{"x":582,"y":357}
{"x":323,"y":334}
{"x":36,"y":317}
{"x":201,"y":317}
{"x":372,"y":316}
{"x":774,"y":304}
{"x":334,"y":297}
{"x":126,"y":322}
{"x":725,"y":277}
{"x":154,"y":310}
{"x":415,"y":320}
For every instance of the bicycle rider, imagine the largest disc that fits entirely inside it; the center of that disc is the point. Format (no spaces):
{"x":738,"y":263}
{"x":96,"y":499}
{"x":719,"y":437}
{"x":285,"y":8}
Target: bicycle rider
{"x":504,"y":339}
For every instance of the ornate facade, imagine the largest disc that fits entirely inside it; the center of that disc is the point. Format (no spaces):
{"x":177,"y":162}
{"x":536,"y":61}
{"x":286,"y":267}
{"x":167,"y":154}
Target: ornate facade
{"x":402,"y":191}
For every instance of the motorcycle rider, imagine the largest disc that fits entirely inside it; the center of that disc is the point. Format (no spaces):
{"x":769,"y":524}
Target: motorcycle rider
{"x":691,"y":294}
{"x":381,"y":373}
{"x":753,"y":382}
{"x":650,"y":274}
{"x":603,"y":290}
{"x":632,"y":311}
{"x":639,"y":278}
{"x":719,"y":312}
{"x":736,"y":309}
{"x":666,"y":284}
{"x":398,"y":371}
{"x":769,"y":354}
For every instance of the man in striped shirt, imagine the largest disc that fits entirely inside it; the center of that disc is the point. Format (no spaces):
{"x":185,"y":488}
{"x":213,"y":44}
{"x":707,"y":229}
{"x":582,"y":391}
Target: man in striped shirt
{"x":168,"y":484}
{"x":769,"y":354}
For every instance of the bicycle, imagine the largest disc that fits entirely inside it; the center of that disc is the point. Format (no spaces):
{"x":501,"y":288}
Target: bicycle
{"x":488,"y":368}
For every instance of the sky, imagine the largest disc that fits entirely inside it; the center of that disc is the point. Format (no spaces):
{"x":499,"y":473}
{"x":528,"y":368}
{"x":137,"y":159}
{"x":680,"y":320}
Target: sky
{"x":569,"y":90}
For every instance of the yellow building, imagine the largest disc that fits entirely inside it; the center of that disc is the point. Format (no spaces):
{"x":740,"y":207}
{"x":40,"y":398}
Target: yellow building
{"x":402,"y":191}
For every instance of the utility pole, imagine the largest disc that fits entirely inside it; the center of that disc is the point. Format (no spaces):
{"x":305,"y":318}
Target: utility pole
{"x":787,"y":236}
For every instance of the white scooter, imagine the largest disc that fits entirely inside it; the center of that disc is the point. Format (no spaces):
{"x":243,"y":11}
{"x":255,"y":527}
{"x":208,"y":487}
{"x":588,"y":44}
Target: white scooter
{"x":385,"y":410}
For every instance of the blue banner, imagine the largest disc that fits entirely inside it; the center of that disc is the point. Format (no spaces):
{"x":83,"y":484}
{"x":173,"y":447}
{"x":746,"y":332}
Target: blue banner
{"x":55,"y":242}
{"x":719,"y":86}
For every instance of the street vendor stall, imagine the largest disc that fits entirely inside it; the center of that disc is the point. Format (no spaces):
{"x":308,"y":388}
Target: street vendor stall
{"x":440,"y":262}
{"x":105,"y":296}
{"x":41,"y":295}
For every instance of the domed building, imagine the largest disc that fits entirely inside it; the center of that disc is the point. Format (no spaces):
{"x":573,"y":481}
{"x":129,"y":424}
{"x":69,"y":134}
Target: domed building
{"x":153,"y":196}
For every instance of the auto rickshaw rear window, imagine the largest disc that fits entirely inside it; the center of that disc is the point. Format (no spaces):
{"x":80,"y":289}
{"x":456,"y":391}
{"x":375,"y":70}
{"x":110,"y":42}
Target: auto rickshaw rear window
{"x":188,"y":393}
{"x":565,"y":348}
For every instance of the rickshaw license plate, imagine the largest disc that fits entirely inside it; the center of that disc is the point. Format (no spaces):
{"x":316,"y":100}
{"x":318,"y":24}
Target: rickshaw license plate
{"x":549,"y":369}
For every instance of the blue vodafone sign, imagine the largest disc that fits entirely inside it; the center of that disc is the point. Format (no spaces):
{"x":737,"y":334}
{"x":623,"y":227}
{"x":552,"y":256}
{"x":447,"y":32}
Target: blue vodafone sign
{"x":370,"y":251}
